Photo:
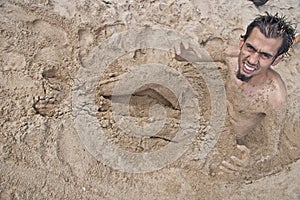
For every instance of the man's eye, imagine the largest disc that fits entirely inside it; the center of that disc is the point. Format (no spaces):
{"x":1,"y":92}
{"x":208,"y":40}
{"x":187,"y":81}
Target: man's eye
{"x":265,"y":56}
{"x":250,"y":48}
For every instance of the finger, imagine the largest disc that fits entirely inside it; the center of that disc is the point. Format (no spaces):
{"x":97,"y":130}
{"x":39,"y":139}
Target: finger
{"x":239,"y":162}
{"x":226,"y":170}
{"x":185,"y":44}
{"x":243,"y":149}
{"x":231,"y":166}
{"x":177,"y":47}
{"x":197,"y":52}
{"x":172,"y":54}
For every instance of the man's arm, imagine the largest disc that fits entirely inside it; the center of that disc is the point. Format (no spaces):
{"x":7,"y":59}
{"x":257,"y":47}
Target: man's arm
{"x":272,"y":128}
{"x":274,"y":119}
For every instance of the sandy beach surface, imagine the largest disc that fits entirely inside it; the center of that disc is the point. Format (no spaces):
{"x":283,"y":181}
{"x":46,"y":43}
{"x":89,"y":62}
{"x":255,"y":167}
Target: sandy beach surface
{"x":94,"y":106}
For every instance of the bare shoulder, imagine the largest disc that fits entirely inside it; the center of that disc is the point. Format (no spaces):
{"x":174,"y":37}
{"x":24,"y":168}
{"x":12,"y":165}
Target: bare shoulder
{"x":278,"y":91}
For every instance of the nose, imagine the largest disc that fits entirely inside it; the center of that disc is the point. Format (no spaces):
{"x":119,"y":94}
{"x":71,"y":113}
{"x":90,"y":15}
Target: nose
{"x":253,"y":58}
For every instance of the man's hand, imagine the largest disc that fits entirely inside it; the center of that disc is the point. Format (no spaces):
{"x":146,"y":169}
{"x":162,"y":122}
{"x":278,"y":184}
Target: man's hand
{"x":236,"y":165}
{"x":184,"y":51}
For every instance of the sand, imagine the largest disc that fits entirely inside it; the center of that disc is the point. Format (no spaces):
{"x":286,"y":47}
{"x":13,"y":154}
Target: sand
{"x":94,"y":106}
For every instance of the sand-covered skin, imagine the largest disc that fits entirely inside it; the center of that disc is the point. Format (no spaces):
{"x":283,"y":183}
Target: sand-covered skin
{"x":44,"y":45}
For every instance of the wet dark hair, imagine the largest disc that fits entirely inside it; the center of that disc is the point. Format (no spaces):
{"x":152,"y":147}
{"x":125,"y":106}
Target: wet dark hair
{"x":273,"y":26}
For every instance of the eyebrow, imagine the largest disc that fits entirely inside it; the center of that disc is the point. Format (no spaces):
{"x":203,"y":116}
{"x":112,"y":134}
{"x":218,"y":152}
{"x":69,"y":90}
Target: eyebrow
{"x":260,"y":52}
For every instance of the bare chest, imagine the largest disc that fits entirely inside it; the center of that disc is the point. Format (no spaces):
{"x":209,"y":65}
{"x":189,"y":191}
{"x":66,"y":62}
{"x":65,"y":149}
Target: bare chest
{"x":247,"y":99}
{"x":246,"y":107}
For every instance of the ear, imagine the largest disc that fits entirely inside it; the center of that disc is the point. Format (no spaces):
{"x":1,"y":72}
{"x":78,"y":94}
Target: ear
{"x":277,"y":60}
{"x":242,"y":41}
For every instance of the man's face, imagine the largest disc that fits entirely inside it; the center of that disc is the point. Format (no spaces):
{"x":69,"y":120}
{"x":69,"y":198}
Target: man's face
{"x":257,"y":55}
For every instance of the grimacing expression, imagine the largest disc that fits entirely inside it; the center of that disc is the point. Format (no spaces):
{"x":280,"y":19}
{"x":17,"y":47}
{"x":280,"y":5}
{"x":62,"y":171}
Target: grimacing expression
{"x":257,"y":54}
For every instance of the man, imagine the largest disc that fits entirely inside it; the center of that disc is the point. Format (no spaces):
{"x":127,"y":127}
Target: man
{"x":256,"y":94}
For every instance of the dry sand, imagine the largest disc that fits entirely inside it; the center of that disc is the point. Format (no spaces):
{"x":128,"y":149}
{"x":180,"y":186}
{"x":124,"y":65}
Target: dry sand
{"x":50,"y":48}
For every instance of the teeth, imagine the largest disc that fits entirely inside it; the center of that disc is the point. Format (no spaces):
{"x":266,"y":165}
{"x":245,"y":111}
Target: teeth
{"x":250,"y":68}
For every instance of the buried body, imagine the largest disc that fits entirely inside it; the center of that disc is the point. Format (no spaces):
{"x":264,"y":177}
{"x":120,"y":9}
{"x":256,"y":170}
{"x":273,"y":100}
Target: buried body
{"x":256,"y":94}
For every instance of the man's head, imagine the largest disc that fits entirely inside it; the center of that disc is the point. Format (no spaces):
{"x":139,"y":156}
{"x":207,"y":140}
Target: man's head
{"x":267,"y":39}
{"x":273,"y":26}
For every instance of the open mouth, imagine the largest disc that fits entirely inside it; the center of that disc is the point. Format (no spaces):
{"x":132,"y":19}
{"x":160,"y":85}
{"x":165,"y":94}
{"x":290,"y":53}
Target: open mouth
{"x":249,"y":69}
